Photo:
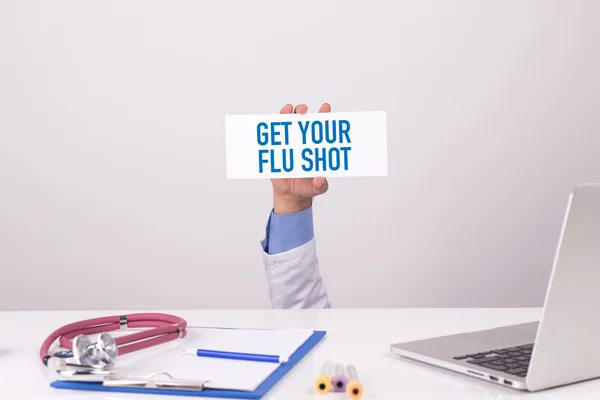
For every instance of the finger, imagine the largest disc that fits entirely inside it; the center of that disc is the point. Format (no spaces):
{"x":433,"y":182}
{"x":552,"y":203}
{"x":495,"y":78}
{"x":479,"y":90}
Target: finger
{"x":325,"y":108}
{"x":287,"y":109}
{"x":319,"y":185}
{"x":301,"y":109}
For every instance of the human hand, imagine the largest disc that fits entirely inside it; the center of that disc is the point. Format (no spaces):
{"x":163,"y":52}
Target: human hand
{"x":292,"y":195}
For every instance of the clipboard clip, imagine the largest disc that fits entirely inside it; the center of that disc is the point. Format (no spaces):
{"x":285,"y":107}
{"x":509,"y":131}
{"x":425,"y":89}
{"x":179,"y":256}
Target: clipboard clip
{"x":149,"y":382}
{"x":71,"y":371}
{"x":67,"y":371}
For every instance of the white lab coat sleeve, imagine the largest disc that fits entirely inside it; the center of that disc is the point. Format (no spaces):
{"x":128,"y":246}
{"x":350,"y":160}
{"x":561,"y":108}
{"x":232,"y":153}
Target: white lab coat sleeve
{"x":294,"y":278}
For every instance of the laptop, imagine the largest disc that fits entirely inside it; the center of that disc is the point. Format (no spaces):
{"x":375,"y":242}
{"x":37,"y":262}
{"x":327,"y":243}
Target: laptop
{"x":563,"y":347}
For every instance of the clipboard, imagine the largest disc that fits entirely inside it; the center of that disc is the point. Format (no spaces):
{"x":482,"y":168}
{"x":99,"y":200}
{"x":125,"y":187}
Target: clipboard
{"x":258,"y":393}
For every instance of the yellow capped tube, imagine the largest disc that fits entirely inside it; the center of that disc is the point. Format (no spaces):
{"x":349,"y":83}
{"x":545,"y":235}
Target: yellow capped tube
{"x":323,"y":383}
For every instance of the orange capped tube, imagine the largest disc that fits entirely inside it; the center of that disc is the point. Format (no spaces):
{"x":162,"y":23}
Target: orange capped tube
{"x":354,"y":388}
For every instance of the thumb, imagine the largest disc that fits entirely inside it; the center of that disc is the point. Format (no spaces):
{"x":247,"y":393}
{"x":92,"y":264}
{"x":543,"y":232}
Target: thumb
{"x":319,"y":185}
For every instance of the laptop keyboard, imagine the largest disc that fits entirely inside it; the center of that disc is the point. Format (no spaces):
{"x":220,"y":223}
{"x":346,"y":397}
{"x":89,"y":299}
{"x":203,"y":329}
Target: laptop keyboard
{"x":511,"y":360}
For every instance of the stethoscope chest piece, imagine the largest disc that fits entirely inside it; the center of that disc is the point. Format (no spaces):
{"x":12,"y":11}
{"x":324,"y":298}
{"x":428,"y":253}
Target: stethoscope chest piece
{"x":99,"y":354}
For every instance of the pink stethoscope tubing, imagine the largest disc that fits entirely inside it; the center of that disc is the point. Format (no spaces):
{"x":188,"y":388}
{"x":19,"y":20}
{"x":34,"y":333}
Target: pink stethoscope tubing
{"x":163,"y":328}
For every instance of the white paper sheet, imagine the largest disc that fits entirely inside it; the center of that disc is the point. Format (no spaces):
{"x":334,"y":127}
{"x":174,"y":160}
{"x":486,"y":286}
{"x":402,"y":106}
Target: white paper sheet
{"x":221,"y":373}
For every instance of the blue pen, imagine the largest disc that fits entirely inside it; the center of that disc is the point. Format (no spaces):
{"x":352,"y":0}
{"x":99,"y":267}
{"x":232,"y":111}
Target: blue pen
{"x":229,"y":355}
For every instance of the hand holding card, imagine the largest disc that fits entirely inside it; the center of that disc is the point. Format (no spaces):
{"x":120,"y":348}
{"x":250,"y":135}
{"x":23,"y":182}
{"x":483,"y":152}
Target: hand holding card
{"x":292,"y":195}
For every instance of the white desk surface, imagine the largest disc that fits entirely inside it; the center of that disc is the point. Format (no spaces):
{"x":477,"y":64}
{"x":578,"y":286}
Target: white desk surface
{"x":361,"y":337}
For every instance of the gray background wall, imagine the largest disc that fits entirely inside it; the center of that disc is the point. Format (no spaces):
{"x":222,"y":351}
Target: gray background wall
{"x":112,"y":159}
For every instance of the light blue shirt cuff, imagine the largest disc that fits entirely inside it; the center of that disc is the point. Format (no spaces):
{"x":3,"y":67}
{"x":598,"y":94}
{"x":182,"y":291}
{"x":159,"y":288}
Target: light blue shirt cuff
{"x":288,"y":231}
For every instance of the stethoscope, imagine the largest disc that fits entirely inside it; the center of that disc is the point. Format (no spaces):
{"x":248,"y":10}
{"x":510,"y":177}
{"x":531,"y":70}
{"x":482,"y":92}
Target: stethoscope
{"x":88,"y":360}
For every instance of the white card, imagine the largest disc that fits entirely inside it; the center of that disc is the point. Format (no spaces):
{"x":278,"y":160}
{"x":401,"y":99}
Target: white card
{"x":341,"y":144}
